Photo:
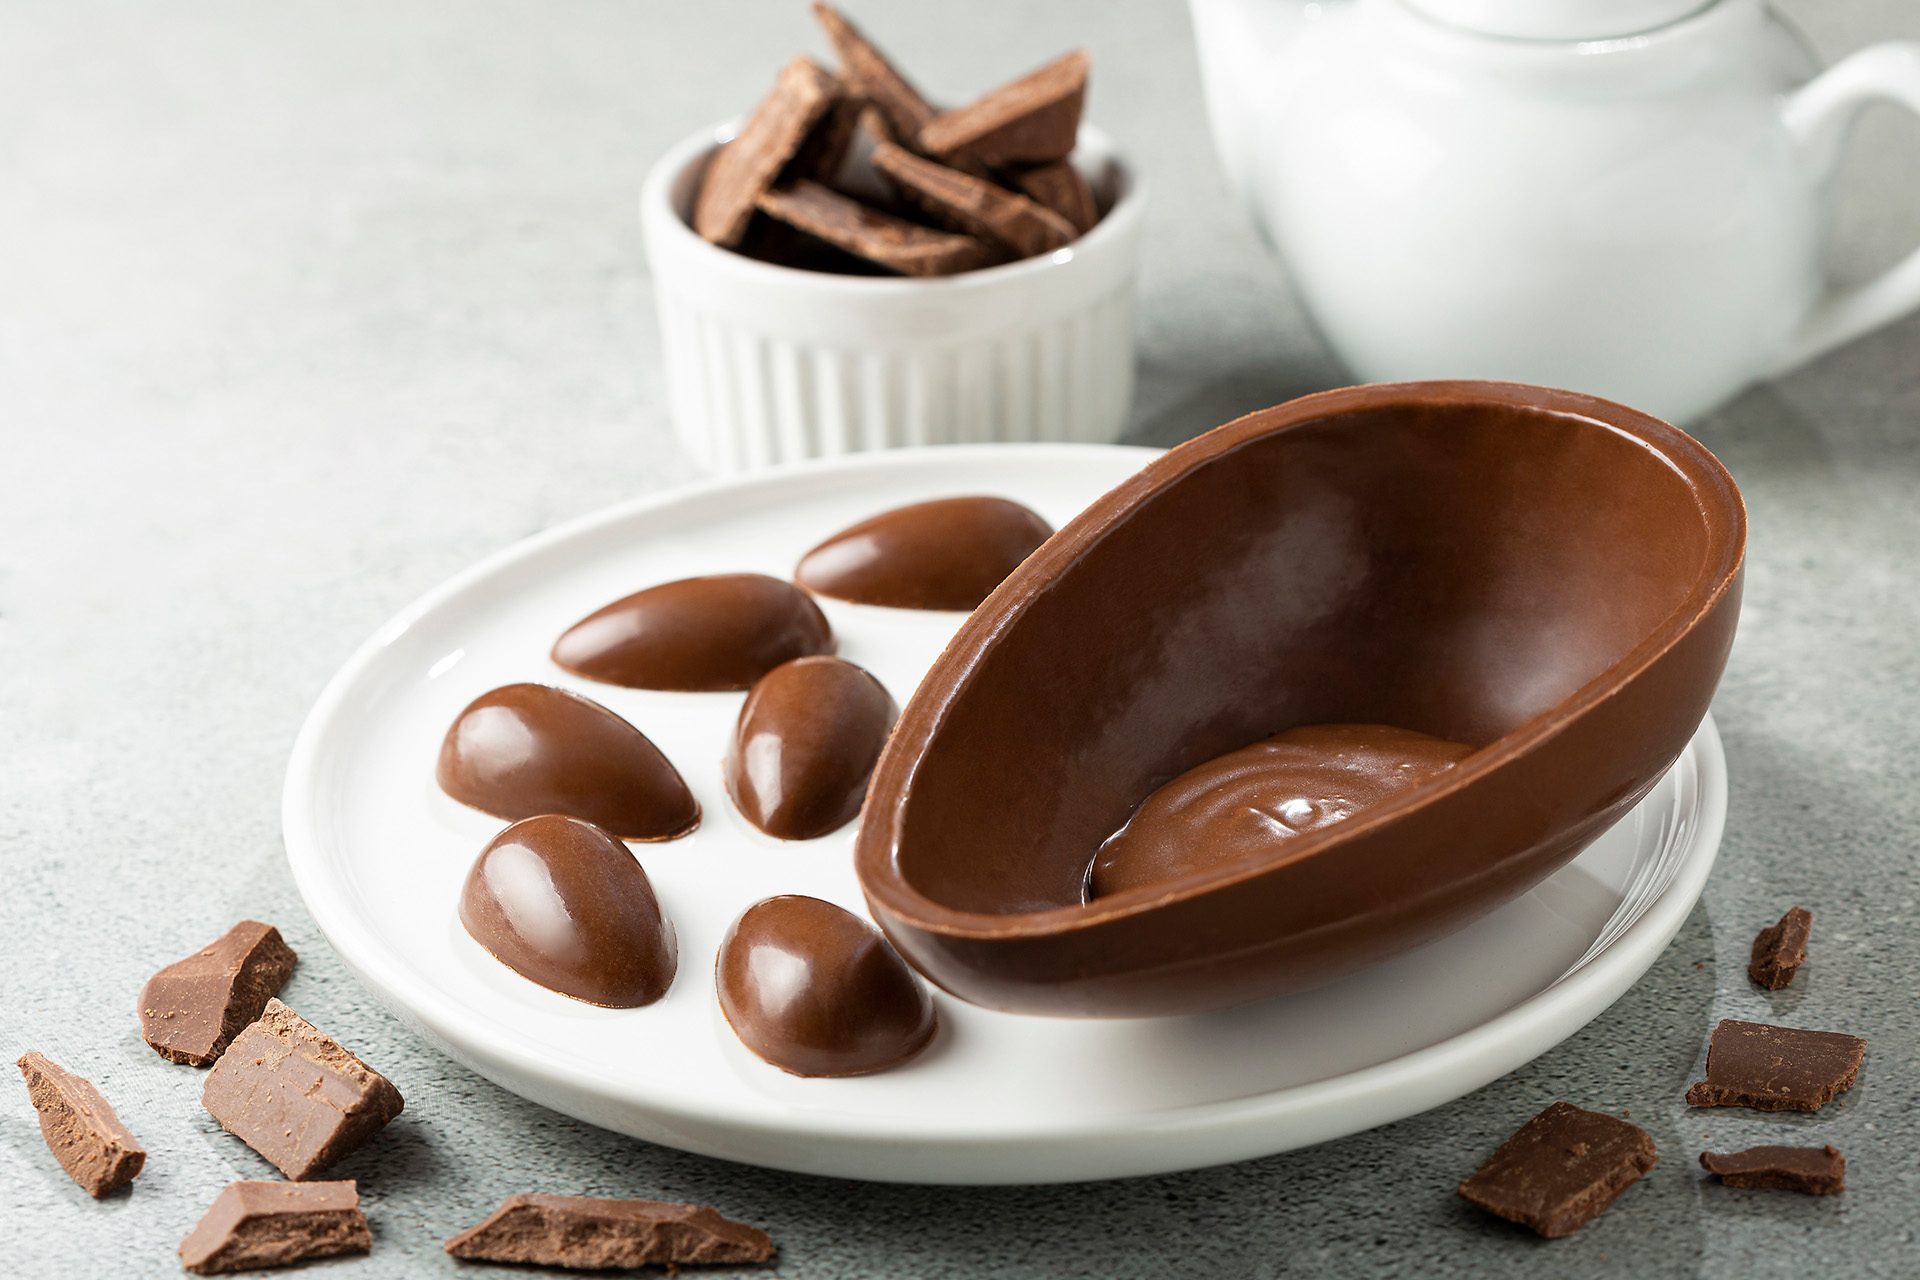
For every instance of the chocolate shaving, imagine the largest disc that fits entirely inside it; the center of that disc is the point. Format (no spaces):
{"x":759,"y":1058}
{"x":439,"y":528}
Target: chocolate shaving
{"x":1060,"y":187}
{"x":1780,"y":950}
{"x":973,"y":205}
{"x":871,"y":76}
{"x":81,"y":1130}
{"x":1751,"y":1064}
{"x":1033,"y":120}
{"x":1561,"y":1169}
{"x":580,"y":1231}
{"x":272,"y":1224}
{"x":744,"y":168}
{"x":893,"y":242}
{"x":1818,"y":1171}
{"x":191,"y":1009}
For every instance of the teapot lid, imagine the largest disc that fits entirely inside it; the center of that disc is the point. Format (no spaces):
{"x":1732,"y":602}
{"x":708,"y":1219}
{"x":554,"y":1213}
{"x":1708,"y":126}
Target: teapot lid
{"x":1557,"y":19}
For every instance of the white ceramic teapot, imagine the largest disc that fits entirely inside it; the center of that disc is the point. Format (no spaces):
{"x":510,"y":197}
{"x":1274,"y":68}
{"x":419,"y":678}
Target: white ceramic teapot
{"x":1624,"y":197}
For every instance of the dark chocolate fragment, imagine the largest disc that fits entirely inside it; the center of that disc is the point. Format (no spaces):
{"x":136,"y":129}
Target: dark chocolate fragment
{"x":805,"y":745}
{"x":81,"y":1130}
{"x":1818,"y":1171}
{"x":771,"y":240}
{"x":723,"y":631}
{"x":871,"y":76}
{"x":816,"y":991}
{"x":946,"y":554}
{"x":745,"y":167}
{"x":1768,"y":1068}
{"x":974,"y":205}
{"x":193,"y":1007}
{"x":906,"y":247}
{"x":564,"y":904}
{"x":1031,"y":121}
{"x":1780,"y":950}
{"x":528,"y":749}
{"x":1060,"y":187}
{"x":294,"y":1095}
{"x":589,"y":1233}
{"x":274,"y":1224}
{"x":1561,"y":1169}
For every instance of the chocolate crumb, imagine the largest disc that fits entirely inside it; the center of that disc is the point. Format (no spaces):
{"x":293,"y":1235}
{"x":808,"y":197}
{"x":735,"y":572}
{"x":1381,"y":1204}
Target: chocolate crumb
{"x":1768,"y":1068}
{"x":272,"y":1224}
{"x":81,"y":1130}
{"x":581,"y":1231}
{"x":1780,"y":950}
{"x":1561,"y":1169}
{"x":1818,"y":1171}
{"x":191,"y":1010}
{"x":744,"y":168}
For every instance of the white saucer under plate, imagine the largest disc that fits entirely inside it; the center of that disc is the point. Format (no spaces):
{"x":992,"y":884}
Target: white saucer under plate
{"x":379,"y":855}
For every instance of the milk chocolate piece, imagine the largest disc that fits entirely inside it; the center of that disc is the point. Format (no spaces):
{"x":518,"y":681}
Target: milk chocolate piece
{"x":564,"y":904}
{"x":946,"y":554}
{"x":1060,"y":187}
{"x":745,"y":167}
{"x":1768,"y":1068}
{"x":527,"y":749}
{"x":974,"y":205}
{"x":723,"y":631}
{"x":274,"y":1224}
{"x":771,"y":240}
{"x":1561,"y":1169}
{"x":593,"y":1234}
{"x":871,"y":76}
{"x":816,"y":991}
{"x":294,"y":1095}
{"x":193,"y":1007}
{"x":906,"y":247}
{"x":805,"y":745}
{"x":1033,"y":120}
{"x":81,"y":1130}
{"x":1818,"y":1171}
{"x":1780,"y":950}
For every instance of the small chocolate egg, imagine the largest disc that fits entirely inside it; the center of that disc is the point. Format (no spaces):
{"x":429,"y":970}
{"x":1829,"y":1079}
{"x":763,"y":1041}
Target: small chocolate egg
{"x":816,"y":991}
{"x":527,"y":749}
{"x":947,"y":554}
{"x":718,"y":632}
{"x":564,"y":904}
{"x":805,"y":745}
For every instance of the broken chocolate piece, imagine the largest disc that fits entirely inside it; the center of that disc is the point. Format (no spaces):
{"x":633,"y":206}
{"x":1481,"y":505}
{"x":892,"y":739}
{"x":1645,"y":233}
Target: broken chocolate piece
{"x":81,"y":1130}
{"x":974,"y":205}
{"x":1060,"y":187}
{"x":294,"y":1095}
{"x":193,"y":1007}
{"x":581,"y":1231}
{"x":871,"y":76}
{"x":1751,"y":1064}
{"x":745,"y":167}
{"x":1780,"y":950}
{"x":1031,"y":121}
{"x":1561,"y":1169}
{"x":1818,"y":1171}
{"x":272,"y":1224}
{"x":893,"y":242}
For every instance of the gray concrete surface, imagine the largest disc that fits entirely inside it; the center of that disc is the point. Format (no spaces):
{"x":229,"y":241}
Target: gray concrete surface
{"x":304,"y":307}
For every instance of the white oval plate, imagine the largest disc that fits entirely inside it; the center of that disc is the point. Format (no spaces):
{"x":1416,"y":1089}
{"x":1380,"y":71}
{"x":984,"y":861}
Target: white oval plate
{"x":379,"y":855}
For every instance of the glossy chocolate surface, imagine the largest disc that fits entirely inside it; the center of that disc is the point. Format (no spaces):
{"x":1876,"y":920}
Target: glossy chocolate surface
{"x":946,"y":554}
{"x":805,"y":745}
{"x":527,"y":749}
{"x":1246,"y":803}
{"x":1546,"y":576}
{"x":719,"y":632}
{"x":813,"y":989}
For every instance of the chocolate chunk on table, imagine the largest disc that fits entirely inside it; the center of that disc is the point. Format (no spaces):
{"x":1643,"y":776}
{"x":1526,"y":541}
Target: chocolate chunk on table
{"x":1033,"y":120}
{"x":869,"y":75}
{"x":744,"y":168}
{"x":1780,"y":949}
{"x":580,"y":1231}
{"x":295,"y":1096}
{"x":1060,"y":187}
{"x":272,"y":1224}
{"x":1561,"y":1169}
{"x":1752,"y":1064}
{"x":81,"y":1130}
{"x":191,"y":1009}
{"x":974,"y":205}
{"x":906,"y":247}
{"x":1818,"y":1171}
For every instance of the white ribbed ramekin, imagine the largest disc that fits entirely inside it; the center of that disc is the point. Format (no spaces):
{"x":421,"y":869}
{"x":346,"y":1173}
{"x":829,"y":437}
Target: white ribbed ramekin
{"x":769,"y":364}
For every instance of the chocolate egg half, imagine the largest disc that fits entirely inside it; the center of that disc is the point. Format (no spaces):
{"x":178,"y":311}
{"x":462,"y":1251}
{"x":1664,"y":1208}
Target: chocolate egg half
{"x":719,"y":632}
{"x":805,"y":745}
{"x":946,"y":554}
{"x":564,"y":904}
{"x":527,"y":749}
{"x":816,"y":991}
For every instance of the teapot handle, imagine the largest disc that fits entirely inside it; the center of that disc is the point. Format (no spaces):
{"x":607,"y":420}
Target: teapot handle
{"x":1817,"y":116}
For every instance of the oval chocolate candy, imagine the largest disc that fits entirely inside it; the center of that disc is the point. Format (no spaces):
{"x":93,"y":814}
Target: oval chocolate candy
{"x":719,"y":632}
{"x":805,"y":745}
{"x":816,"y":991}
{"x":562,"y":903}
{"x":946,"y":554}
{"x":527,"y":749}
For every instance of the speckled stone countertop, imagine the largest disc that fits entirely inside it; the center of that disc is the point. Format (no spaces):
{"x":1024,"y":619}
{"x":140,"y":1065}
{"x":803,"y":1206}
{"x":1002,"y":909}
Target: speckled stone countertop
{"x":304,"y":307}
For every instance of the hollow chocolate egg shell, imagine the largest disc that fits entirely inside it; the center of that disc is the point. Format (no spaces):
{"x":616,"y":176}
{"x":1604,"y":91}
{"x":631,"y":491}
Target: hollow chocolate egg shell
{"x":946,"y":554}
{"x":564,"y":904}
{"x":723,"y":631}
{"x":804,"y":746}
{"x":527,"y":749}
